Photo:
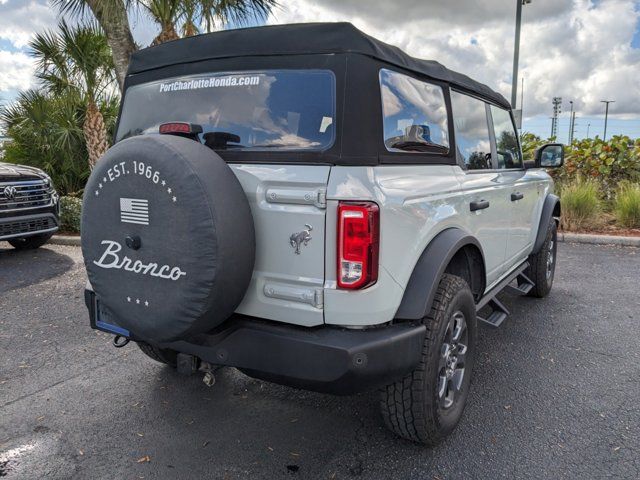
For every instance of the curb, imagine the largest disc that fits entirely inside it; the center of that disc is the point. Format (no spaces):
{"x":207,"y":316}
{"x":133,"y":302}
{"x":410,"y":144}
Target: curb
{"x":65,"y":240}
{"x":599,"y":239}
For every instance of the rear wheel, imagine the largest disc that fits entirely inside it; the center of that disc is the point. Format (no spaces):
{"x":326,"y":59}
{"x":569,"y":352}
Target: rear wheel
{"x":30,"y":243}
{"x":542,"y":265}
{"x":426,"y":405}
{"x":162,"y":355}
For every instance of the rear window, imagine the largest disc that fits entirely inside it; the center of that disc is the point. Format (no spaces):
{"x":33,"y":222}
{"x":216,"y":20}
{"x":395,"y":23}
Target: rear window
{"x":279,"y":109}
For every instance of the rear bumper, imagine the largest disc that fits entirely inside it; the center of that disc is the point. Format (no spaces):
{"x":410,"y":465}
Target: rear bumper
{"x":325,"y":359}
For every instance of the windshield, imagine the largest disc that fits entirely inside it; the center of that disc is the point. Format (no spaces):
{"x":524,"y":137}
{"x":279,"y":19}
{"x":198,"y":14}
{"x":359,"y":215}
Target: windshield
{"x":279,"y":109}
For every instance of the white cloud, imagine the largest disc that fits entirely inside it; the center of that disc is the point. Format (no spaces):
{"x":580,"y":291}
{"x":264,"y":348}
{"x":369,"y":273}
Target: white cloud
{"x":16,"y":71}
{"x":579,"y":50}
{"x":20,"y":19}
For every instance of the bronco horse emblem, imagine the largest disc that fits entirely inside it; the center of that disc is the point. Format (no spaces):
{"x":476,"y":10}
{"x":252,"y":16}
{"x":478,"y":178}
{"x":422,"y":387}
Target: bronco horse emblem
{"x":301,"y":238}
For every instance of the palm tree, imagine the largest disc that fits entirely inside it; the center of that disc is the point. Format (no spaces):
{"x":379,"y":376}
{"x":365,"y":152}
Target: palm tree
{"x":211,"y":14}
{"x":77,"y":61}
{"x":112,"y":17}
{"x":45,"y":131}
{"x":169,"y":14}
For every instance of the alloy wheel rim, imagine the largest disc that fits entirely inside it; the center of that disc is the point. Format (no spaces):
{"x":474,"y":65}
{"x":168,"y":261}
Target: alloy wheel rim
{"x":451,"y":367}
{"x":550,"y":258}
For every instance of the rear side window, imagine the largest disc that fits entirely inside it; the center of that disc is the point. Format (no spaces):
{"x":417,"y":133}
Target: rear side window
{"x":508,"y":152}
{"x":256,"y":110}
{"x":473,"y":144}
{"x":415,"y":114}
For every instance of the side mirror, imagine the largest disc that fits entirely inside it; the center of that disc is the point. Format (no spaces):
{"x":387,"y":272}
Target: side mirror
{"x":550,"y":155}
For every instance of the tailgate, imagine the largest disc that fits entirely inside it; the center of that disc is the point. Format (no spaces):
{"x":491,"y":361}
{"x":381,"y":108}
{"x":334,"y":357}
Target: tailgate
{"x":288,"y":203}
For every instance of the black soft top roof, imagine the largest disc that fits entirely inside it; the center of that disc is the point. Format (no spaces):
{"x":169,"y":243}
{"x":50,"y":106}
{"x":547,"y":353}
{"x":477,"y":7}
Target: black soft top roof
{"x":299,"y":39}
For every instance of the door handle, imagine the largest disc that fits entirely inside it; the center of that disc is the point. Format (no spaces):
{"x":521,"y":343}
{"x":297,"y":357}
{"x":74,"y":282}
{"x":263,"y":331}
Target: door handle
{"x":517,"y":196}
{"x":479,"y":205}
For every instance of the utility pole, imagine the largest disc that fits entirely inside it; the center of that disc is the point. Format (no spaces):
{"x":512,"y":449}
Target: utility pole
{"x":606,"y":116}
{"x":573,"y":127}
{"x":557,"y":107}
{"x":516,"y":52}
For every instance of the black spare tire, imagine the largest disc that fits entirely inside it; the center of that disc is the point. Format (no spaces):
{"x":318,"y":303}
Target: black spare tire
{"x":167,"y":237}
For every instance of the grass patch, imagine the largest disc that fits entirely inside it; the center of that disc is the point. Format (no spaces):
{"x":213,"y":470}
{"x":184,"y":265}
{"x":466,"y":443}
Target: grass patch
{"x":627,"y":206}
{"x":581,"y":205}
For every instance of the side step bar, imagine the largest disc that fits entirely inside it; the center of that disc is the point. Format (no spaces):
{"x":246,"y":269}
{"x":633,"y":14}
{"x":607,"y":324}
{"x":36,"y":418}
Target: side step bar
{"x":498,"y":311}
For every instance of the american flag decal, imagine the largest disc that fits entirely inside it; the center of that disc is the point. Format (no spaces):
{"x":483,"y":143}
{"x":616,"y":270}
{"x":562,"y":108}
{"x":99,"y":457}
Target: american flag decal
{"x":134,"y":210}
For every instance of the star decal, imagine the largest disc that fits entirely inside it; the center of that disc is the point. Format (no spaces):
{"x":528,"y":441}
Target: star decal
{"x":174,"y":199}
{"x":104,"y":179}
{"x":100,"y":185}
{"x":128,"y":299}
{"x":146,"y":304}
{"x":163,"y":183}
{"x":97,"y":193}
{"x":138,"y":301}
{"x":169,"y":190}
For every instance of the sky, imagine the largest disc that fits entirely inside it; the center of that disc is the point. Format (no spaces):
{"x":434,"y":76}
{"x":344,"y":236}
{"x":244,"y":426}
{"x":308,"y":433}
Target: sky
{"x":581,"y":50}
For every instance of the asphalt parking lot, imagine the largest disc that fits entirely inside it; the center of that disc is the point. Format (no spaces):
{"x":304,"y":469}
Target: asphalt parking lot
{"x":555,"y":394}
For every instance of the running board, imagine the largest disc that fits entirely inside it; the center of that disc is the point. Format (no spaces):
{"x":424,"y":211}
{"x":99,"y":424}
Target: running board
{"x":498,"y":311}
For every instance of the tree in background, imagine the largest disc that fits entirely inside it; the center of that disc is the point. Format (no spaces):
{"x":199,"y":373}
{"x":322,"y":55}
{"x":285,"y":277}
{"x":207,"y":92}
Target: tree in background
{"x":169,"y":15}
{"x":112,"y":17}
{"x":46,"y":131}
{"x":77,"y":62}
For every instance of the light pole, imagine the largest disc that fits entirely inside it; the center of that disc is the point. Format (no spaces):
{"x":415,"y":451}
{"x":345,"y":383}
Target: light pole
{"x":588,"y":127}
{"x":606,"y":116}
{"x":570,"y":121}
{"x":516,"y":51}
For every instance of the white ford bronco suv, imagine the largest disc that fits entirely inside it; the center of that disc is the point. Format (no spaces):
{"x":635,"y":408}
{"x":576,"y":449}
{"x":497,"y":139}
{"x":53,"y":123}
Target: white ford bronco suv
{"x":318,"y":209}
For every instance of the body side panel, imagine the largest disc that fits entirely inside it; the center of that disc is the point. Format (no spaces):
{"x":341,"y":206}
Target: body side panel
{"x":416,"y":203}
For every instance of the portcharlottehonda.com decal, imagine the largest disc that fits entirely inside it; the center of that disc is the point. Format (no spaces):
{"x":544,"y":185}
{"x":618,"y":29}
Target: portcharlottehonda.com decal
{"x":212,"y":82}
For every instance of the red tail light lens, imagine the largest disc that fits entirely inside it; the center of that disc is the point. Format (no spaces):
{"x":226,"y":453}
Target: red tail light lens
{"x":358,"y":244}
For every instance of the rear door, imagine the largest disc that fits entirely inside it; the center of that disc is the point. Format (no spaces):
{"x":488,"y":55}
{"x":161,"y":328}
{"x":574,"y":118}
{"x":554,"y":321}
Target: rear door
{"x":486,"y":207}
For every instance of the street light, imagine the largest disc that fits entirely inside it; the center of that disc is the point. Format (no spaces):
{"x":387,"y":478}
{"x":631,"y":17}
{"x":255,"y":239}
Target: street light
{"x":606,"y":116}
{"x":516,"y":51}
{"x":570,"y":121}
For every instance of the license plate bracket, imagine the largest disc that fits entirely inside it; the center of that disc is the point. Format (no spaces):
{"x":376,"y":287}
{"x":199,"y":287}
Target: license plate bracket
{"x":105,"y":323}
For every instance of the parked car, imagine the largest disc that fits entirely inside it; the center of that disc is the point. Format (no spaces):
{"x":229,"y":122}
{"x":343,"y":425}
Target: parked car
{"x":317,"y":209}
{"x":29,"y":207}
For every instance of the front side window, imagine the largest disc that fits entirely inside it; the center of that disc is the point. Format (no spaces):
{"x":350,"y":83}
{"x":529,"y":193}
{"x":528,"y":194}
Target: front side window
{"x":415,"y":114}
{"x":508,"y":152}
{"x":274,"y":110}
{"x":473,"y":144}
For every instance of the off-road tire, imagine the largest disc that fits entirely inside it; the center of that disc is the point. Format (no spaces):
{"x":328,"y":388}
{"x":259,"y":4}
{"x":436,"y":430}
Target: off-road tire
{"x":410,"y":407}
{"x":166,"y":356}
{"x":539,"y":262}
{"x":30,"y":243}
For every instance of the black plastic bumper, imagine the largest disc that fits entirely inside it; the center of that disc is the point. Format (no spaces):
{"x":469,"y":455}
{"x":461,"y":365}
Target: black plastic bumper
{"x":325,"y":359}
{"x":21,"y":226}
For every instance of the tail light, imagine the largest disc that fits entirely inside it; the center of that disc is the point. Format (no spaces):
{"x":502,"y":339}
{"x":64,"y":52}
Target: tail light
{"x":358,"y":244}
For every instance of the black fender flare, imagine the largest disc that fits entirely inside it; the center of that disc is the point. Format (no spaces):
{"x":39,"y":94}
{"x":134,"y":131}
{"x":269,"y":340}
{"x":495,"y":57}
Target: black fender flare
{"x":550,"y":209}
{"x":425,"y":278}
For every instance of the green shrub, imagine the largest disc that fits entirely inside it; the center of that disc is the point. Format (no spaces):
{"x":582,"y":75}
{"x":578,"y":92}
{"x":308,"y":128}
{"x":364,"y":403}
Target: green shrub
{"x":70,"y":210}
{"x":581,"y":205}
{"x":608,"y":163}
{"x":627,"y":206}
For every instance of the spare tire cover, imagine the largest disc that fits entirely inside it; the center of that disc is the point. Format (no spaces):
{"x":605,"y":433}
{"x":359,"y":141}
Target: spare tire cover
{"x":167,"y":237}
